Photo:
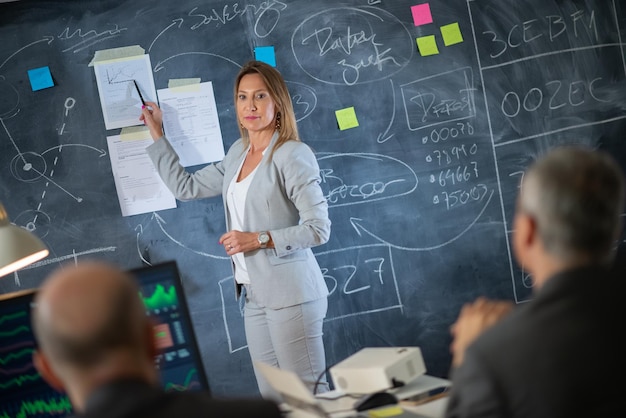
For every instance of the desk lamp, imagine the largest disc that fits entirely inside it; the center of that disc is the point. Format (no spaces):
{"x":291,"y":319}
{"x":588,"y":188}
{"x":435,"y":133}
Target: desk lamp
{"x":18,"y":247}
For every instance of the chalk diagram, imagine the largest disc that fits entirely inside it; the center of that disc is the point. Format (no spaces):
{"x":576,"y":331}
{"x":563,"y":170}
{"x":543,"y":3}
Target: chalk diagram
{"x":447,"y":181}
{"x":38,"y":168}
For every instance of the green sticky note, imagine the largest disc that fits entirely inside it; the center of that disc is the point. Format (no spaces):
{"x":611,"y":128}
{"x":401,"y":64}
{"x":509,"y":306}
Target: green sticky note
{"x":427,"y":45}
{"x":346,"y":118}
{"x":451,"y":34}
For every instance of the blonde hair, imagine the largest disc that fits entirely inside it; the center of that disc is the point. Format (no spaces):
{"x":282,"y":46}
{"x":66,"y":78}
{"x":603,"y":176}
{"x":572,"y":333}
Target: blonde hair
{"x":277,"y":89}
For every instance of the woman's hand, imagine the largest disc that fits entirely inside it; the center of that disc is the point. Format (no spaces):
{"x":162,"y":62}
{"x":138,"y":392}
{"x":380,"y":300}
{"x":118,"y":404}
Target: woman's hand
{"x":240,"y":242}
{"x":152,"y":117}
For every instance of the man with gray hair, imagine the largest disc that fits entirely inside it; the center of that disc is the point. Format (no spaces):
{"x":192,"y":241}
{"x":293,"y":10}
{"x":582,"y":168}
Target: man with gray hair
{"x":557,"y":355}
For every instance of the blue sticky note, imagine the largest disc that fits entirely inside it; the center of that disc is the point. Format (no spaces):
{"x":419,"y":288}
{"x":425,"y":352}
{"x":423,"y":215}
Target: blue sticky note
{"x":265,"y":54}
{"x":40,"y":78}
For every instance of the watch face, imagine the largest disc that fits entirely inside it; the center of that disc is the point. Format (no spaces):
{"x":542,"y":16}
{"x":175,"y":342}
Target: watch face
{"x":263,"y":237}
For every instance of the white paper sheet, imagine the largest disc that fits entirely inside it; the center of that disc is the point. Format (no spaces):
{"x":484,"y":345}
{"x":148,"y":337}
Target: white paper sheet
{"x":120,"y":101}
{"x":139,"y":187}
{"x":191,"y":123}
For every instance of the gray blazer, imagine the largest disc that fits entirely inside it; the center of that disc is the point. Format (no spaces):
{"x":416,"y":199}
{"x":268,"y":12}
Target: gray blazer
{"x":285,"y":198}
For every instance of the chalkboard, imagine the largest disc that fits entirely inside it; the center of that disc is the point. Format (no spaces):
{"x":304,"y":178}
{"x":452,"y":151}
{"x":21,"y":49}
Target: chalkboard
{"x":454,"y":99}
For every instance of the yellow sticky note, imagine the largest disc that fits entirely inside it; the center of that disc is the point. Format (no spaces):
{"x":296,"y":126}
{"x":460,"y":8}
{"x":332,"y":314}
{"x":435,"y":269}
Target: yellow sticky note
{"x":427,"y":45}
{"x":131,"y":133}
{"x":451,"y":34}
{"x":346,"y":118}
{"x":390,"y":411}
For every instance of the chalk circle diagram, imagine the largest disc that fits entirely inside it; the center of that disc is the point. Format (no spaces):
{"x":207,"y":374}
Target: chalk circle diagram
{"x":349,"y":45}
{"x":28,"y":166}
{"x":34,"y":220}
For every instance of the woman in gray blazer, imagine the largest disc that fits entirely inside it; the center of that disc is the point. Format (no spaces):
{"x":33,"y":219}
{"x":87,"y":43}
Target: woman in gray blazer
{"x":275,"y":212}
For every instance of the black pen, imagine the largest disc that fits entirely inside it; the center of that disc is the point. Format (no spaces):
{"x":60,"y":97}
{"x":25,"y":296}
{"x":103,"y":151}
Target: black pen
{"x":138,"y":91}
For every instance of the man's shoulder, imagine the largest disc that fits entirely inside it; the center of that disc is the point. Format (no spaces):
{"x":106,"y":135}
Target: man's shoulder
{"x":197,"y":404}
{"x":190,"y":405}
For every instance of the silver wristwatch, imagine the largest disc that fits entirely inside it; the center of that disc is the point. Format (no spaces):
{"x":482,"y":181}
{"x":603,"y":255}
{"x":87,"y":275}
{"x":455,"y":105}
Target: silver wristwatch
{"x":263,"y":238}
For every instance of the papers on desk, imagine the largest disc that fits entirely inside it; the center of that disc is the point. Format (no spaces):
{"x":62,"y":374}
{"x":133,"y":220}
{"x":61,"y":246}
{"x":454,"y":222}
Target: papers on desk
{"x":300,"y":403}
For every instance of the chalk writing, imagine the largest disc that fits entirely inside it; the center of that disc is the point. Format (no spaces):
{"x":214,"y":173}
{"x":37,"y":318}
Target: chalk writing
{"x":267,"y":15}
{"x":349,"y":188}
{"x":438,"y":99}
{"x":347,"y":48}
{"x":455,"y":153}
{"x":557,"y":95}
{"x":548,"y":28}
{"x":459,"y":129}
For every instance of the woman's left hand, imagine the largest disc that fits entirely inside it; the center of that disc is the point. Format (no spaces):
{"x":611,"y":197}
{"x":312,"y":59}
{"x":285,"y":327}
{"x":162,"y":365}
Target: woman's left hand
{"x":239,"y":242}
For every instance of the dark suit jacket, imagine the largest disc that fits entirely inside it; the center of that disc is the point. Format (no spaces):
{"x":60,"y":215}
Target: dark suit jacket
{"x":131,"y":398}
{"x":559,"y":355}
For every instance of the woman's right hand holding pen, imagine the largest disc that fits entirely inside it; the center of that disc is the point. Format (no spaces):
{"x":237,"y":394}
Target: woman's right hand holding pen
{"x":152,"y":117}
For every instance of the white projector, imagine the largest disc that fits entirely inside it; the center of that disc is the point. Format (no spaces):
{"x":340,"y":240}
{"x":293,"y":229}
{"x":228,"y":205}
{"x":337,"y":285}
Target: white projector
{"x":378,"y":368}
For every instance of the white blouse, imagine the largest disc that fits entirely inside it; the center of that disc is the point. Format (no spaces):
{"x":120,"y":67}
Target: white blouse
{"x":236,"y":200}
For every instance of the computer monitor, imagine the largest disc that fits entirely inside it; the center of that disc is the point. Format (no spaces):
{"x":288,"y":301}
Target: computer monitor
{"x":179,"y":361}
{"x":22,"y":391}
{"x":24,"y":394}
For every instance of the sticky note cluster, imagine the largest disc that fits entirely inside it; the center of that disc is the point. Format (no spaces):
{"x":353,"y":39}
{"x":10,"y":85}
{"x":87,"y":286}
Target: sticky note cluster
{"x":427,"y":44}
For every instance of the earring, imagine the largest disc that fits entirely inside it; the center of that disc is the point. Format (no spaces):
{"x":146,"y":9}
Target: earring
{"x":241,"y":125}
{"x":278,"y":116}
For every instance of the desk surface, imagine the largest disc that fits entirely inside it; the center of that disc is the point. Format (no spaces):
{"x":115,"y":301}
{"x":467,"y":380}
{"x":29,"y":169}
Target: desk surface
{"x":431,"y":409}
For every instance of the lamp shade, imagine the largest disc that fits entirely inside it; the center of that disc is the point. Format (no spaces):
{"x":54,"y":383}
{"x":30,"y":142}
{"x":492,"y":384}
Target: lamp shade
{"x":18,"y":247}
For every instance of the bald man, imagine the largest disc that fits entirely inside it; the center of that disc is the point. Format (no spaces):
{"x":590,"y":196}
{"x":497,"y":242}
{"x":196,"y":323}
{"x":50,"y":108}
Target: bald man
{"x":97,"y":344}
{"x":555,"y":355}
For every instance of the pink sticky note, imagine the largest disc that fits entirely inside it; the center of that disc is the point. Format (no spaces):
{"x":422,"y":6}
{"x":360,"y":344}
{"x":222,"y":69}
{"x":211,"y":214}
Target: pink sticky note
{"x":421,"y":14}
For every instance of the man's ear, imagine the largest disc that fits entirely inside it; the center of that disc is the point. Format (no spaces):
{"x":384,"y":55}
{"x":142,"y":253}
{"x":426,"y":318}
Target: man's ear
{"x":525,"y":237}
{"x":45,"y":370}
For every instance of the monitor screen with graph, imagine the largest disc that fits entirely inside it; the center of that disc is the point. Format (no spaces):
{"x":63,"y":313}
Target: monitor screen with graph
{"x":24,"y":394}
{"x":179,"y":360}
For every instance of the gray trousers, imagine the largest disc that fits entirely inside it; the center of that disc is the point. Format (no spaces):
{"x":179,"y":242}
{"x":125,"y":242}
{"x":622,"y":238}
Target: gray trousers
{"x":289,"y":338}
